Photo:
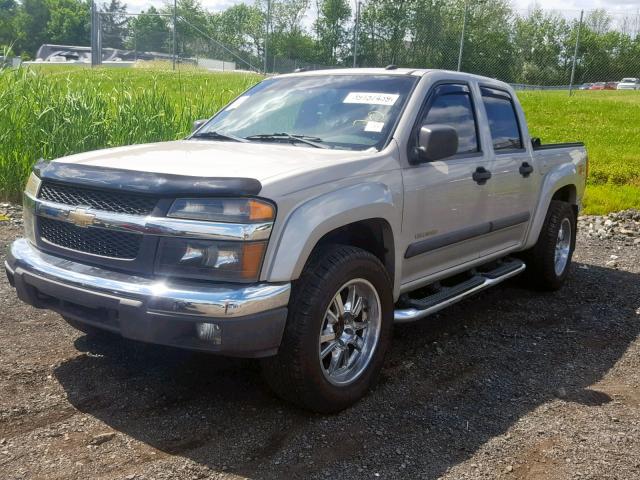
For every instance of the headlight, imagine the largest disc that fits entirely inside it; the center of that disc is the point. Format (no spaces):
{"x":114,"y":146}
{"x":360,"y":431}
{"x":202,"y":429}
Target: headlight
{"x":210,"y":259}
{"x":232,"y":210}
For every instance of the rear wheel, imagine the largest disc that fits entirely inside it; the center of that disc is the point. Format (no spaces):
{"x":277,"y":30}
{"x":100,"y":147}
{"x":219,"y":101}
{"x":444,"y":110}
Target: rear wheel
{"x":549,"y":260}
{"x":338,"y":331}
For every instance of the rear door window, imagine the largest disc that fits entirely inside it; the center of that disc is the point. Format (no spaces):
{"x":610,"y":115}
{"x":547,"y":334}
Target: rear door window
{"x":503,"y":120}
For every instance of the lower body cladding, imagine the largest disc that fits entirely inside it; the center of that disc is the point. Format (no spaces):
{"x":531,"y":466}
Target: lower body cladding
{"x":234,"y":320}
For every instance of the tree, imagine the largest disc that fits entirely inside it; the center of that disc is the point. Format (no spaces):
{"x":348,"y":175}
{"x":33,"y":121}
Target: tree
{"x":331,"y":28}
{"x":542,"y":46}
{"x":601,"y":50}
{"x":31,"y":25}
{"x":230,"y":27}
{"x":148,"y":32}
{"x":69,"y":22}
{"x":383,"y":33}
{"x":191,"y":28}
{"x":114,"y":24}
{"x":434,"y":33}
{"x":8,"y":12}
{"x":288,"y":37}
{"x":488,"y":45}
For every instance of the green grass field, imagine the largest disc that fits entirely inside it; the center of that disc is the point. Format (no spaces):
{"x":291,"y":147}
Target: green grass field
{"x":54,"y":111}
{"x":608,"y":122}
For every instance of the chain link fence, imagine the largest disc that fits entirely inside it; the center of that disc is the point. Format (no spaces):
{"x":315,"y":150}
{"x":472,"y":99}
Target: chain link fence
{"x":536,"y":48}
{"x":530,"y":49}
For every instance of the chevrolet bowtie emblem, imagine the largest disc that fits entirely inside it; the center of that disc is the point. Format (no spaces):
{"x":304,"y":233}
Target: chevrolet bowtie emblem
{"x":81,"y":218}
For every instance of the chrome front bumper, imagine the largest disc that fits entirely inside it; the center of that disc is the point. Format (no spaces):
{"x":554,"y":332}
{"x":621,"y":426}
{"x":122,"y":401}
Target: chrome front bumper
{"x":250,"y":318}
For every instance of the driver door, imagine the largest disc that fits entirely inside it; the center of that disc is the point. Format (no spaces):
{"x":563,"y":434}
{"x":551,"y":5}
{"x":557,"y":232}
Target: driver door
{"x":446,"y":212}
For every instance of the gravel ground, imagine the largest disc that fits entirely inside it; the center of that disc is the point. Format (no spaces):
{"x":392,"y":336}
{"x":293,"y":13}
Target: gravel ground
{"x":509,"y":384}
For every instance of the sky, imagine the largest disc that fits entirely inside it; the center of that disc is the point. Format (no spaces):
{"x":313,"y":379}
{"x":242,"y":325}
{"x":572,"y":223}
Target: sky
{"x":614,"y":6}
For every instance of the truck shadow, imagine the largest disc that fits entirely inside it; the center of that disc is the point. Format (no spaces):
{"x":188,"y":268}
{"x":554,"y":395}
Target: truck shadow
{"x":450,"y":384}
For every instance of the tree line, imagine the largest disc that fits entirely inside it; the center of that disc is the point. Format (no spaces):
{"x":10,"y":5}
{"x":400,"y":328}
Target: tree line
{"x":534,"y":48}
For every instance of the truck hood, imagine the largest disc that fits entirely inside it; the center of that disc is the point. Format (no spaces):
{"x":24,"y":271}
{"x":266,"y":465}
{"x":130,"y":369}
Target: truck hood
{"x":215,"y":159}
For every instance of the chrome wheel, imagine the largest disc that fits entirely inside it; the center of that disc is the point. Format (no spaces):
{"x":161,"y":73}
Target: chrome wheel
{"x":349,"y":332}
{"x":563,"y":247}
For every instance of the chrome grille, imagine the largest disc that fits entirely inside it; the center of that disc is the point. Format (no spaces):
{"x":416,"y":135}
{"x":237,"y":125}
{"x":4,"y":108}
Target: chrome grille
{"x":95,"y":241}
{"x":117,"y":202}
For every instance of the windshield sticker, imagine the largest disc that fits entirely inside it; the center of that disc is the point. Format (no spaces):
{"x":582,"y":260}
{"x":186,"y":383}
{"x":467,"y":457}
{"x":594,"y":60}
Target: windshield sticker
{"x":371,"y":98}
{"x":238,"y":102}
{"x":374,"y":127}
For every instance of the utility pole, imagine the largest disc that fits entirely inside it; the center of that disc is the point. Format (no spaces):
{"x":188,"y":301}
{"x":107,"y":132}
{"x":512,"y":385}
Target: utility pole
{"x":175,"y":15}
{"x":99,"y":37}
{"x":464,"y":26}
{"x":94,"y":46}
{"x":266,"y":35}
{"x":355,"y":35}
{"x":575,"y":54}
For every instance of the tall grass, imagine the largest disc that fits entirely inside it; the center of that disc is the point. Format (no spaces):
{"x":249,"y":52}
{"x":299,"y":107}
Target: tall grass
{"x":48,"y":114}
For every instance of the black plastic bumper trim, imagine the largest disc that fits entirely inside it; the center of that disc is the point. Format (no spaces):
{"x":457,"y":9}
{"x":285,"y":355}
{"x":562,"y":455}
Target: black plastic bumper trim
{"x":457,"y":236}
{"x":429,"y":244}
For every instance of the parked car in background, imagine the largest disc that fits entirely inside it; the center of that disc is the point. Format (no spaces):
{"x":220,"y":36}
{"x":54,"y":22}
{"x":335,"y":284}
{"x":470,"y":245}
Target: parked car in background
{"x":603,"y":86}
{"x":585,"y":86}
{"x":629,"y":83}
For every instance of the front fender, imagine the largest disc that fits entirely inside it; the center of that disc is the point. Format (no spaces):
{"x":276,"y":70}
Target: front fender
{"x":309,"y":222}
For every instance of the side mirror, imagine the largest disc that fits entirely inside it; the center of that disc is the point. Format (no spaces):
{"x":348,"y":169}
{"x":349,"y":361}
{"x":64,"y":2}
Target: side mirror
{"x":436,"y":142}
{"x":197,"y":124}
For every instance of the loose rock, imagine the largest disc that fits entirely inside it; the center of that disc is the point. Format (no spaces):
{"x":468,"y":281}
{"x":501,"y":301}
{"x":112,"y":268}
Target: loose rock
{"x":102,"y":438}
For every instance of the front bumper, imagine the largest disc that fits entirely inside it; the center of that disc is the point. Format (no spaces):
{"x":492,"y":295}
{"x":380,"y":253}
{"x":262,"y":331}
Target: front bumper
{"x":244,"y":320}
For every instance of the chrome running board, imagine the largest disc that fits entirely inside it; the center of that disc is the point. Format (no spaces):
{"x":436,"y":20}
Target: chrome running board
{"x":422,"y":307}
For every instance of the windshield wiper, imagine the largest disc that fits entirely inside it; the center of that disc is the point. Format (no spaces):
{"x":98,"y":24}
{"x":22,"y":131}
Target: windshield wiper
{"x":313,"y":141}
{"x":219,"y":136}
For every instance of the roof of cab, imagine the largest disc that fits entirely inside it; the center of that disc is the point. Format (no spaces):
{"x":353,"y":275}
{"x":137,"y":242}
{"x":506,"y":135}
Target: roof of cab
{"x":417,"y":72}
{"x":360,"y":71}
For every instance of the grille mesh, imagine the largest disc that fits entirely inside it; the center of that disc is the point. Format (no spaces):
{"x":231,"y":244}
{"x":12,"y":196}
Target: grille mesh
{"x":100,"y":200}
{"x":90,"y":240}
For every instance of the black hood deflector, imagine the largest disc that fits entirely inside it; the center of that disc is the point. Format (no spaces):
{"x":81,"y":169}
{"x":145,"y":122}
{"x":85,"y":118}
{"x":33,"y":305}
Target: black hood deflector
{"x":156,"y":184}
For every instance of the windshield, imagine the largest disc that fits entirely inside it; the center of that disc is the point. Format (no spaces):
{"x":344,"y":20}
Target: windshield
{"x":352,"y":112}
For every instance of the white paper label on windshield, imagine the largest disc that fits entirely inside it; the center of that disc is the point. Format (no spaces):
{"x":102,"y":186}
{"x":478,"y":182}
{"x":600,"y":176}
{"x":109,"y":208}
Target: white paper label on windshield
{"x":371,"y":98}
{"x":238,"y":102}
{"x":374,"y":127}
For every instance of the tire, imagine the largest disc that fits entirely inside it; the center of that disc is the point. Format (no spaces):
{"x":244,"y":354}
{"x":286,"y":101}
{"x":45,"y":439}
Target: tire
{"x":298,"y":373}
{"x":543,"y":272}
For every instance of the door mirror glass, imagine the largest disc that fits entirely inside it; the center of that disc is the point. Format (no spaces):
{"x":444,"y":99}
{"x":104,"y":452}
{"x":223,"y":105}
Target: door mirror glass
{"x":197,"y":124}
{"x":436,"y":142}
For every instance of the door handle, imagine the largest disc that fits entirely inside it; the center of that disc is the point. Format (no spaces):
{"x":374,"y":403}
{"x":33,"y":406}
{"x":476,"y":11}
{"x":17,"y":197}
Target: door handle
{"x":481,"y":175}
{"x":525,"y":169}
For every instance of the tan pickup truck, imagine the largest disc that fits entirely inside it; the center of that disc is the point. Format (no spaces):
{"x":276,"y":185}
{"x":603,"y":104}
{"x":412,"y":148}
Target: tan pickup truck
{"x":303,"y":219}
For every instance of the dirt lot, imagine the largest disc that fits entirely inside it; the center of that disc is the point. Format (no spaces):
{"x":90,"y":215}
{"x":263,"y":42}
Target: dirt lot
{"x":510,"y":384}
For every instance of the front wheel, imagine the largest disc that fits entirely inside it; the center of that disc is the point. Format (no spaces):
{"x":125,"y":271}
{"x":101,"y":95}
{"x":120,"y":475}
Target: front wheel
{"x":338,"y":331}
